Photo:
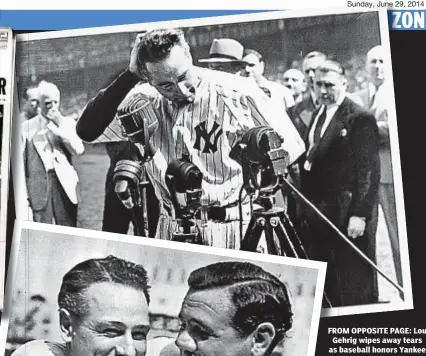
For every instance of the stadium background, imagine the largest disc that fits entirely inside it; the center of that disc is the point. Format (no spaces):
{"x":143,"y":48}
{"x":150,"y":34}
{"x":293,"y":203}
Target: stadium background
{"x":80,"y":66}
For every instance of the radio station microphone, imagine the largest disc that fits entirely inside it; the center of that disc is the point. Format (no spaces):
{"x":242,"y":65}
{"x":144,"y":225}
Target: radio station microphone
{"x":139,"y":121}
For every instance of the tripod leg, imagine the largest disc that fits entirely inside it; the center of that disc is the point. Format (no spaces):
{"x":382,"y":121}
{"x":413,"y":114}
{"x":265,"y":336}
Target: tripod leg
{"x":252,"y":236}
{"x":294,"y":237}
{"x":283,"y":237}
{"x":137,"y":231}
{"x":273,"y":247}
{"x":143,"y":203}
{"x":298,"y":246}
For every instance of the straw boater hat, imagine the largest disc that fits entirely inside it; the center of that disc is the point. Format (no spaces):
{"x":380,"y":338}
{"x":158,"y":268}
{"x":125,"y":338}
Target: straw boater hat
{"x":225,"y":50}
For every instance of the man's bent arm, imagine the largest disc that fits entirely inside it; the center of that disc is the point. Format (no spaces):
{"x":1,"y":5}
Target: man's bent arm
{"x":100,"y":110}
{"x":366,"y":155}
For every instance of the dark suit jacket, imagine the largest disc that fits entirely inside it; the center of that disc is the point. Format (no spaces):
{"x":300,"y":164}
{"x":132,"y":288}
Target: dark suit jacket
{"x":301,"y":114}
{"x":343,"y":182}
{"x":346,"y":171}
{"x":36,"y":178}
{"x":381,"y":116}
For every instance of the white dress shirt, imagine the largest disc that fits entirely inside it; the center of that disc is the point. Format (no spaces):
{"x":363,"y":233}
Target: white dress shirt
{"x":314,"y":99}
{"x":381,"y":96}
{"x":331,"y":110}
{"x":372,"y":90}
{"x":48,"y":155}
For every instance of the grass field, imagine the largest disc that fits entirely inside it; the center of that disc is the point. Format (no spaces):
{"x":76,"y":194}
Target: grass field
{"x":92,"y":168}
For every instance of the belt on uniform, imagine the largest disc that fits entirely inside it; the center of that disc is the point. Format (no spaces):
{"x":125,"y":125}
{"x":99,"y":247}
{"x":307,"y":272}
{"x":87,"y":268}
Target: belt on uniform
{"x":214,"y":213}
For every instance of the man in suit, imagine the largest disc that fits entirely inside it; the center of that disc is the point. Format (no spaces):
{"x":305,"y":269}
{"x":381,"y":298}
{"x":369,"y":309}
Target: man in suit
{"x":49,"y":141}
{"x":254,"y":68}
{"x":340,"y":175}
{"x":301,"y":113}
{"x":374,"y":97}
{"x":31,"y":106}
{"x":295,"y":81}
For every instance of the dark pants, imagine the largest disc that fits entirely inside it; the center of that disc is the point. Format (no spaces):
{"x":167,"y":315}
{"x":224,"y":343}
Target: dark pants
{"x":59,"y":209}
{"x":349,"y":280}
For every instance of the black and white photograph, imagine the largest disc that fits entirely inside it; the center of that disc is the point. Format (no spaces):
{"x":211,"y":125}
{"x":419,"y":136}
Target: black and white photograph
{"x":273,"y":133}
{"x":80,"y":292}
{"x":7,"y":51}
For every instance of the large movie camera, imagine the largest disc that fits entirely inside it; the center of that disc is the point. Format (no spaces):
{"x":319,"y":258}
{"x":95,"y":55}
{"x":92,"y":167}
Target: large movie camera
{"x":264,"y":163}
{"x":184,"y":179}
{"x":260,"y":151}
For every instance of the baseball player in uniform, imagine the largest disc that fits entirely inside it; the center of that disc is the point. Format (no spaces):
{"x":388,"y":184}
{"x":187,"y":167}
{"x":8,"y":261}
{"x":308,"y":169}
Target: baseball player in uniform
{"x":201,"y":113}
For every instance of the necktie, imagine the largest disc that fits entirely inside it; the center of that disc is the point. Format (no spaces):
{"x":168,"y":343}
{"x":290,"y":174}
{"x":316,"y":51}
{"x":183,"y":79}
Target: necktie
{"x":266,"y":91}
{"x":372,"y":100}
{"x":317,"y":134}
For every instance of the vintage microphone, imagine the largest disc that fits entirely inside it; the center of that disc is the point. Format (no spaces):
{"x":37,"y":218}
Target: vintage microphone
{"x":139,"y":121}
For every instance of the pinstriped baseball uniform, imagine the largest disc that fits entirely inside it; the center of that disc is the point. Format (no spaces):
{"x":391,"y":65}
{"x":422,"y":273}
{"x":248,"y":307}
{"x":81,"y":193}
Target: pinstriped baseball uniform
{"x":225,"y":107}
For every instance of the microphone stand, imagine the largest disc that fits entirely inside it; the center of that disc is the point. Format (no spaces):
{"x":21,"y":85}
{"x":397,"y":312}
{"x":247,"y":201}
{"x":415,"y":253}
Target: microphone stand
{"x":130,"y":186}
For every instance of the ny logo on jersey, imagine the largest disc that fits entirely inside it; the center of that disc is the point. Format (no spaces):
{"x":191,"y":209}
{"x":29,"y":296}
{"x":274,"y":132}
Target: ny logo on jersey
{"x":210,"y":146}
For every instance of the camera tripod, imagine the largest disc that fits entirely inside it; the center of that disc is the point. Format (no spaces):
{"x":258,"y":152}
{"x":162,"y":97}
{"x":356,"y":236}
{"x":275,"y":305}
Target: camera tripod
{"x":188,"y":232}
{"x":280,"y":235}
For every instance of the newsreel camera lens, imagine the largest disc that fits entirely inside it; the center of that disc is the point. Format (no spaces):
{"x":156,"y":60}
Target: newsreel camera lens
{"x":187,"y":175}
{"x":260,"y":147}
{"x":138,"y":118}
{"x":184,"y":180}
{"x":258,"y":142}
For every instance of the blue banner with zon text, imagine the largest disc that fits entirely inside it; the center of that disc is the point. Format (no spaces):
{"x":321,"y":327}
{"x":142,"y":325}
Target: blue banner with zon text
{"x":407,"y":19}
{"x":72,"y":19}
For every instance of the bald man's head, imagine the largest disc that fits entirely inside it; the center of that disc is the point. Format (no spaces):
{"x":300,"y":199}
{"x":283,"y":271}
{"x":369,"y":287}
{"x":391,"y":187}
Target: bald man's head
{"x":375,"y":65}
{"x":49,"y":97}
{"x":31,"y":106}
{"x":295,"y":81}
{"x":310,"y":63}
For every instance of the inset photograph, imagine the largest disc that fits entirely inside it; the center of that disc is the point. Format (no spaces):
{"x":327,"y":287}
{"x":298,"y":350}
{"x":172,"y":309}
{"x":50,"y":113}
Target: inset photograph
{"x":74,"y":292}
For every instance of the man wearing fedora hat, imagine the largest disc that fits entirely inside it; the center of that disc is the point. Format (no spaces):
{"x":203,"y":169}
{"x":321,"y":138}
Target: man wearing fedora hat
{"x":225,"y":55}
